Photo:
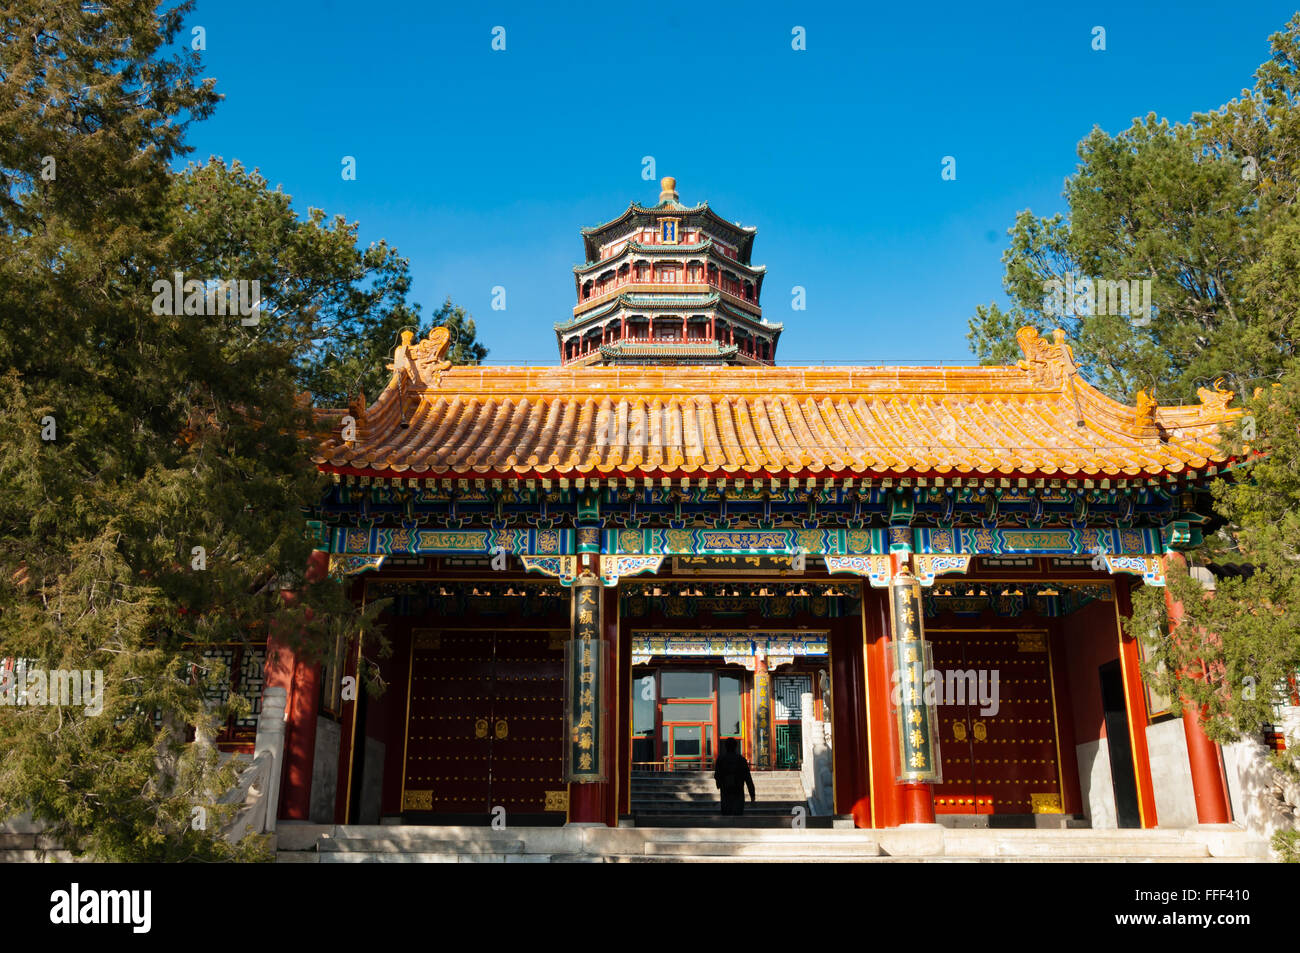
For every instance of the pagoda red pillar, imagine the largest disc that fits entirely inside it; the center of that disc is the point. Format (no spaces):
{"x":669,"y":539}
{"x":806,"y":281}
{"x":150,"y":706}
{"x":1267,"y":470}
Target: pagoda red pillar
{"x":301,"y":681}
{"x":1209,"y":782}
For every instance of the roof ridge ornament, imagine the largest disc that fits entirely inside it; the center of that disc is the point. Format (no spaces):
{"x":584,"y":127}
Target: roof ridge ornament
{"x":668,"y":190}
{"x":423,"y":362}
{"x":1144,"y":422}
{"x":1214,"y":403}
{"x":1050,"y":363}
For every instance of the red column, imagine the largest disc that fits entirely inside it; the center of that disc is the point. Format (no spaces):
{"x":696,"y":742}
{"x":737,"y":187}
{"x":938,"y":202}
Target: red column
{"x":762,"y":713}
{"x":614,"y":691}
{"x":893,"y":803}
{"x":623,"y":700}
{"x":1209,"y":783}
{"x":918,"y":803}
{"x":597,"y":802}
{"x":301,"y":682}
{"x":886,"y":796}
{"x":918,"y":798}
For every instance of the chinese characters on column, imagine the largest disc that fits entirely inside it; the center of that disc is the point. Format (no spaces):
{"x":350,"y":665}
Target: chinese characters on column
{"x":918,"y":748}
{"x":585,"y":663}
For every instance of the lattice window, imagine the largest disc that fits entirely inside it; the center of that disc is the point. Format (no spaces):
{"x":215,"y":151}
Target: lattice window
{"x":787,"y":695}
{"x":217,"y":691}
{"x":251,"y":682}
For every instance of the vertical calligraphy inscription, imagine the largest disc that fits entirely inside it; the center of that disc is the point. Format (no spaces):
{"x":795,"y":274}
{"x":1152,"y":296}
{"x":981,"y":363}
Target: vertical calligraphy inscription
{"x":585,"y":663}
{"x":914,"y":722}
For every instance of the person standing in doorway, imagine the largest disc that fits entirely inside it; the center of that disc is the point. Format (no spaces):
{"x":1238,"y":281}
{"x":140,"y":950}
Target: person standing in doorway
{"x":732,"y":776}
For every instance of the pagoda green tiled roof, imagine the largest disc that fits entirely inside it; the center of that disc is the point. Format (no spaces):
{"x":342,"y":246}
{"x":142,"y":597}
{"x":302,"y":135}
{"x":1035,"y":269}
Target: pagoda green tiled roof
{"x":744,"y":233}
{"x":667,"y":250}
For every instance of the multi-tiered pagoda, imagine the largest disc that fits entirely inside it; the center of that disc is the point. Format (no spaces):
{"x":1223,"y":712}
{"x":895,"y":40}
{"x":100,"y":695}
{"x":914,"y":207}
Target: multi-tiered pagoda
{"x":668,"y":284}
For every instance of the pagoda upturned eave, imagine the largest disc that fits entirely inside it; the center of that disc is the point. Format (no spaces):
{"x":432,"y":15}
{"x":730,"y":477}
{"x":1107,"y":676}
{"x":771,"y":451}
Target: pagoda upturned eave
{"x":743,"y":234}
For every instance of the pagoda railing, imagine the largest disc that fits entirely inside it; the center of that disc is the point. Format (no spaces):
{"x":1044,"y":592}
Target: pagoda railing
{"x":662,"y":287}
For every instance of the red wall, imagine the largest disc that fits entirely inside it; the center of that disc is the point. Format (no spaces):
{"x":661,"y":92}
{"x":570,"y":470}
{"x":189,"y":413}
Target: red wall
{"x":1090,"y":640}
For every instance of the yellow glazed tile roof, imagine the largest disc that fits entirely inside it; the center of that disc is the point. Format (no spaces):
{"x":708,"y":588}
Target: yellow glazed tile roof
{"x":1037,"y":417}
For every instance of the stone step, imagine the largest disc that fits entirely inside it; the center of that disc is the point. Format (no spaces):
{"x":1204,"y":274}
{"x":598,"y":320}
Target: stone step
{"x":711,"y":787}
{"x":686,"y":837}
{"x":706,"y":817}
{"x":700,"y":797}
{"x":717,"y":822}
{"x":804,"y":847}
{"x":784,"y":793}
{"x":421,"y":858}
{"x":707,"y":804}
{"x":431,"y":846}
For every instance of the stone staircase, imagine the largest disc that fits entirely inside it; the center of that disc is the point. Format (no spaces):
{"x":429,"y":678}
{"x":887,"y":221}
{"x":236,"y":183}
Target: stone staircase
{"x":690,"y":799}
{"x":315,"y":843}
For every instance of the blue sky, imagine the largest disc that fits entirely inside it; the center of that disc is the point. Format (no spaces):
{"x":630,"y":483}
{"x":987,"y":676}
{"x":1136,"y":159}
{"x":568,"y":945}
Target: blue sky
{"x":481,"y":166}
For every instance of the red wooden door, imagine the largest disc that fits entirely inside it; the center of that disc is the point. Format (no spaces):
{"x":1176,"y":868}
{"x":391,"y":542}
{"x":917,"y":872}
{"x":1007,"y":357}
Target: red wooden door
{"x":956,"y":795}
{"x":449,"y":732}
{"x":527,"y":721}
{"x":1015,"y":747}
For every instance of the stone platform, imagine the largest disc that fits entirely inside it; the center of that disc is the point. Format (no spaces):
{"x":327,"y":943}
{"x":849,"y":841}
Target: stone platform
{"x":314,"y":843}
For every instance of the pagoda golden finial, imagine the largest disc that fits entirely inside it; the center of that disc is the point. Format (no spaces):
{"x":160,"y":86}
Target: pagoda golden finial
{"x":668,"y":189}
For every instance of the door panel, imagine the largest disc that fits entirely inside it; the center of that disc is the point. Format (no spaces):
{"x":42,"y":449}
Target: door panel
{"x":527,"y":721}
{"x":956,"y":743}
{"x":1003,"y":755}
{"x":449,"y":746}
{"x":1016,"y":760}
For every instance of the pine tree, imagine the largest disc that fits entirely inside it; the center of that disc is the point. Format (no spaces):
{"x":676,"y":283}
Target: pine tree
{"x":153,"y":464}
{"x":1208,"y":210}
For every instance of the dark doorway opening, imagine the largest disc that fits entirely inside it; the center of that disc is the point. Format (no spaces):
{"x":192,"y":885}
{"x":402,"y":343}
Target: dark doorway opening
{"x":1122,"y":776}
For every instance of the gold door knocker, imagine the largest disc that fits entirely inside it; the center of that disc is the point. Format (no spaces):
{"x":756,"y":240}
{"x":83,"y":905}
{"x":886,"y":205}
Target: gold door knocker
{"x":501,"y":729}
{"x":959,"y":730}
{"x":480,"y":728}
{"x":981,"y":731}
